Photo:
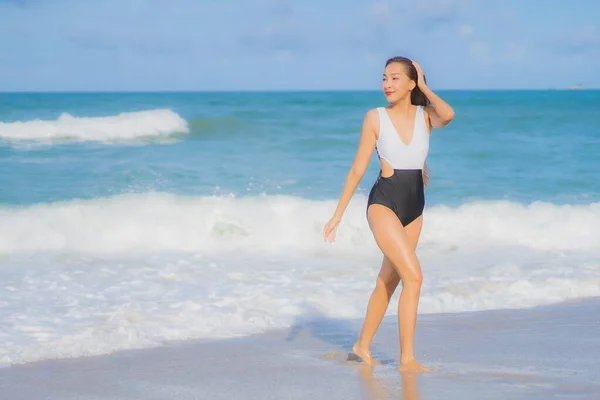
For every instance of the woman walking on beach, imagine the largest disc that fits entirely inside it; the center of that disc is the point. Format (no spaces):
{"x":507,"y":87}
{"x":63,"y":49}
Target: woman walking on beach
{"x":400,"y":134}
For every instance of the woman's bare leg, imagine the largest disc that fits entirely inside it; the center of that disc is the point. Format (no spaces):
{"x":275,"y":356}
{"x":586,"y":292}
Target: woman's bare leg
{"x":392,"y":239}
{"x":387,"y":281}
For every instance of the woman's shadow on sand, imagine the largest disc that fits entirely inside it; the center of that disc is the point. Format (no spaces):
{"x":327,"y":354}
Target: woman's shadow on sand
{"x":339,"y":333}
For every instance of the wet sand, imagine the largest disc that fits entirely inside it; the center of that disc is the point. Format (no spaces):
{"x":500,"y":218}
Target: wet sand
{"x":541,"y":353}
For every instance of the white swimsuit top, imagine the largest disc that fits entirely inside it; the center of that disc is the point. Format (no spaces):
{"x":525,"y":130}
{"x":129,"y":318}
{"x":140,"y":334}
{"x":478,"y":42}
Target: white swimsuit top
{"x":392,"y":149}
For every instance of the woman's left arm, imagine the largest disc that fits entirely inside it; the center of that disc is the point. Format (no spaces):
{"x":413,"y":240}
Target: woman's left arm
{"x":440,"y":112}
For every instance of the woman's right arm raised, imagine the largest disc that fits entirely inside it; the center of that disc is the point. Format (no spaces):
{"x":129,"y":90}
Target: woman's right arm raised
{"x":368,"y":140}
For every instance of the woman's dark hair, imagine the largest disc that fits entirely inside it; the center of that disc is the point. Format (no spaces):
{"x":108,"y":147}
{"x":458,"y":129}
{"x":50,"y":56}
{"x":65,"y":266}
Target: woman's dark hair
{"x":417,"y":97}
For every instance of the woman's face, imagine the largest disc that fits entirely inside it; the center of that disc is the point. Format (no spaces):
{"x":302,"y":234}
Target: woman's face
{"x":396,"y":83}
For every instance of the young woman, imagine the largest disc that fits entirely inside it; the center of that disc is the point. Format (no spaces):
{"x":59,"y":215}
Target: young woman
{"x":400,"y":134}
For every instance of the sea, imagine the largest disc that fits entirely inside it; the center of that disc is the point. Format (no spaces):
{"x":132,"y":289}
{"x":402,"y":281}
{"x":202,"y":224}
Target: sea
{"x":132,"y":220}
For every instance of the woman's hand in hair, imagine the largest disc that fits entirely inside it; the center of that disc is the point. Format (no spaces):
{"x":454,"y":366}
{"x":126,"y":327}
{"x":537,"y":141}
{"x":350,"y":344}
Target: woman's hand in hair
{"x":420,"y":76}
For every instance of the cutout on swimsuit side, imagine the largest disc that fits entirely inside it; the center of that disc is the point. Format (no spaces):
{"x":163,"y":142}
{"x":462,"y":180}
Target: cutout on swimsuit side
{"x":386,"y":169}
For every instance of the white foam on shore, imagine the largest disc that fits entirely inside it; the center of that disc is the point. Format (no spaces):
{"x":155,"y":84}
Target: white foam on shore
{"x":90,"y":277}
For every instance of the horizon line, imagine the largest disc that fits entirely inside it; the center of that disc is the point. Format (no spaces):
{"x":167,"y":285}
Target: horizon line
{"x":284,"y":90}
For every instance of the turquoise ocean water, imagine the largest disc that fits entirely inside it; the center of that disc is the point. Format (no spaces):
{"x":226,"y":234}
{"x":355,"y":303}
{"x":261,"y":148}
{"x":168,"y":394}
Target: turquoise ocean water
{"x":520,"y":145}
{"x":130,"y":219}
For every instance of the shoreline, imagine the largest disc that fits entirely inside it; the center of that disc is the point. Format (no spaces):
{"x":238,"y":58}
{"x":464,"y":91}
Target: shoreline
{"x":541,"y":352}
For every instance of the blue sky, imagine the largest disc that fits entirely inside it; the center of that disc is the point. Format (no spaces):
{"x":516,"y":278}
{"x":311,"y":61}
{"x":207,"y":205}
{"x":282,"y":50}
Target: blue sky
{"x":295,"y":44}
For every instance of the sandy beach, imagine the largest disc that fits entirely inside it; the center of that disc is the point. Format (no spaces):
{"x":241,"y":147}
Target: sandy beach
{"x":540,"y":353}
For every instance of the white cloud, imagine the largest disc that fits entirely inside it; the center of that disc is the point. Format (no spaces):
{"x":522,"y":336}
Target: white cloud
{"x":480,"y":52}
{"x":517,"y":52}
{"x":283,"y":56}
{"x":583,"y":39}
{"x":280,"y":8}
{"x":437,"y":11}
{"x":381,"y":11}
{"x":466,"y":30}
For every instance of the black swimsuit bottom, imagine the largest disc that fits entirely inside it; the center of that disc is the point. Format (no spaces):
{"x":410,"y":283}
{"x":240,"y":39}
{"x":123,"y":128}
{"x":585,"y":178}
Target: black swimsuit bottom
{"x":403,"y":193}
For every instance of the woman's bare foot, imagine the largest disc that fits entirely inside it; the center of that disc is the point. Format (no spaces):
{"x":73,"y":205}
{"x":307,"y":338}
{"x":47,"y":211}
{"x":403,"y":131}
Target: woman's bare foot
{"x":364,"y":354}
{"x":412,"y":366}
